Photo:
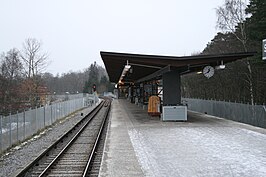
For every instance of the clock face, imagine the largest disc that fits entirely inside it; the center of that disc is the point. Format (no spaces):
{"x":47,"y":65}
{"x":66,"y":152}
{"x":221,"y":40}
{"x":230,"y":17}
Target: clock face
{"x":208,"y":71}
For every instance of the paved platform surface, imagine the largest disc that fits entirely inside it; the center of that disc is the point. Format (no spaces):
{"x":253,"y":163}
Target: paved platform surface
{"x":140,"y":145}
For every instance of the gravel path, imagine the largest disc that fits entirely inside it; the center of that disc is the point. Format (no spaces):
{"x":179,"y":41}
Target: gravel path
{"x":19,"y":156}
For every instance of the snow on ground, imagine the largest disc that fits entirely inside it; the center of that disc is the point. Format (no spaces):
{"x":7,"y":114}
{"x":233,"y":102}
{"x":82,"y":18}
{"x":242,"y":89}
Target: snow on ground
{"x":199,"y":151}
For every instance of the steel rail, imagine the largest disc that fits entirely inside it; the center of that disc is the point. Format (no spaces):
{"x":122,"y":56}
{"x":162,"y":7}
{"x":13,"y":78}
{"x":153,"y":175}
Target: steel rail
{"x":68,"y":145}
{"x":24,"y":171}
{"x":86,"y":170}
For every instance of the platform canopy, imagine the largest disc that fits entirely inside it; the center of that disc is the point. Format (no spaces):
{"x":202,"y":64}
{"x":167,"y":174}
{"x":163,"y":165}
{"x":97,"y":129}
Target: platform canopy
{"x":148,"y":67}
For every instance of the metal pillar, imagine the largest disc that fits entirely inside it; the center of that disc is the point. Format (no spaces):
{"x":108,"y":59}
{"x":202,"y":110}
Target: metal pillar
{"x":171,"y":88}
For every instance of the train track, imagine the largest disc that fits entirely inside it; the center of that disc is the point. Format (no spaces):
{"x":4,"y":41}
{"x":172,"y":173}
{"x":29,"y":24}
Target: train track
{"x":73,"y":154}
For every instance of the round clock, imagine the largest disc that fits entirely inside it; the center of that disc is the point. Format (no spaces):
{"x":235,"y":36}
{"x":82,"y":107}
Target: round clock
{"x":208,"y":71}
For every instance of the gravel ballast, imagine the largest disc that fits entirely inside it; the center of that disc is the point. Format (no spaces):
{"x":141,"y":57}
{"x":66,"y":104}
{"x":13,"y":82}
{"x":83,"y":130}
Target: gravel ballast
{"x":16,"y":158}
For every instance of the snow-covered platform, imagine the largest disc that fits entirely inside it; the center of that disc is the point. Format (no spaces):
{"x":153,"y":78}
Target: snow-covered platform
{"x":140,"y":145}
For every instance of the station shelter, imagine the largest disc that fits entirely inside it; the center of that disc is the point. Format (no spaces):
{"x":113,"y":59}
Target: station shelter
{"x":139,"y":76}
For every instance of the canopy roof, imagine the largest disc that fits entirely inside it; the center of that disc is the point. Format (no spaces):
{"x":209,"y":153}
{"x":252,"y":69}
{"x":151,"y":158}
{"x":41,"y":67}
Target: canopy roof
{"x":147,"y":67}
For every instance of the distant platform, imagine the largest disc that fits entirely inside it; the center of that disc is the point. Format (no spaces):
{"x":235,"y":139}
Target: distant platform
{"x":140,"y":145}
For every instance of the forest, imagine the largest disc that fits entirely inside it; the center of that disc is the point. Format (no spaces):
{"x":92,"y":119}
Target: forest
{"x":243,"y":29}
{"x":79,"y":82}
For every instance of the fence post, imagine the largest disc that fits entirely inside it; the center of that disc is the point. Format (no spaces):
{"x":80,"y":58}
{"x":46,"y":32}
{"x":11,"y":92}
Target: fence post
{"x":17,"y":126}
{"x":10,"y":130}
{"x":65,"y":108}
{"x":55,"y":111}
{"x":24,"y":124}
{"x":36,"y":124}
{"x":70,"y":107}
{"x":43,"y":116}
{"x":51,"y":114}
{"x":61,"y":110}
{"x":1,"y":131}
{"x":73,"y":106}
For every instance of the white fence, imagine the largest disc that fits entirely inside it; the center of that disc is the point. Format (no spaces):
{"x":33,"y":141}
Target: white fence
{"x":18,"y":127}
{"x":245,"y":113}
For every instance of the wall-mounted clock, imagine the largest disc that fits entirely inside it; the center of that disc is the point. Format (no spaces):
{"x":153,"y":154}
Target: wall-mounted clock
{"x":208,"y":71}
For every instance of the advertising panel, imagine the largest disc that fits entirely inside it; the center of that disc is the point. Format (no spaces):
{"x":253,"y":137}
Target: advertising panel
{"x":264,"y":49}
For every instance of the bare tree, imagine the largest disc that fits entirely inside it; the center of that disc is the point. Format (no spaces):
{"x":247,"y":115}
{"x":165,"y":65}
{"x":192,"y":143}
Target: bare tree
{"x":34,"y":60}
{"x":231,"y":18}
{"x":10,"y":76}
{"x":11,"y":66}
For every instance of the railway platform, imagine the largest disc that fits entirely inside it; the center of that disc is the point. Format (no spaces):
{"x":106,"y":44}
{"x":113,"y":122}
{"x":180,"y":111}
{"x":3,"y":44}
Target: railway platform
{"x":140,"y":145}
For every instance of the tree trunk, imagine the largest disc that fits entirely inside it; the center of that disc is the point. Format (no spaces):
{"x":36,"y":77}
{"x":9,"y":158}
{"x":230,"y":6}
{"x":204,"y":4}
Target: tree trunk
{"x":250,"y":80}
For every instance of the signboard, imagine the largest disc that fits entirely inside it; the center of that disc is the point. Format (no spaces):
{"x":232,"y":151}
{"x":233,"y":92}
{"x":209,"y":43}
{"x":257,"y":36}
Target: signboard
{"x":264,"y":49}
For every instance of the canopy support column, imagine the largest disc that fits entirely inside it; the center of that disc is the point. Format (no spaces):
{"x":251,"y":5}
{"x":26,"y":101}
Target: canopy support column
{"x":171,"y":88}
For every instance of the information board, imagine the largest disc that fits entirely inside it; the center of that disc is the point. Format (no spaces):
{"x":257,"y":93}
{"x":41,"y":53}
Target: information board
{"x":264,"y":49}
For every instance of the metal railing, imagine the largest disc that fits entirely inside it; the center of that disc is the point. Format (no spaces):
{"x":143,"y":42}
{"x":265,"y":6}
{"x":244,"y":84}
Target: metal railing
{"x":245,"y":113}
{"x":18,"y":127}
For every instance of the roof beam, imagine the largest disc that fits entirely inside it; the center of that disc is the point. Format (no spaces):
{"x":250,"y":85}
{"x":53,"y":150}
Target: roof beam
{"x":155,"y":74}
{"x":147,"y":66}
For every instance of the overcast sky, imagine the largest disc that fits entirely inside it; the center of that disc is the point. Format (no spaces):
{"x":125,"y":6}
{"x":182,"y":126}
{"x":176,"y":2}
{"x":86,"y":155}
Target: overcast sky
{"x":74,"y":32}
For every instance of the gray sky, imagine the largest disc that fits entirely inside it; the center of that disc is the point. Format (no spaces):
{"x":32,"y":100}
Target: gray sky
{"x":74,"y":32}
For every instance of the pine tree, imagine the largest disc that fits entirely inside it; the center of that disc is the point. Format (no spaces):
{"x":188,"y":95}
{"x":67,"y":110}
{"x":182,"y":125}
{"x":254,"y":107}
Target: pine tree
{"x":93,"y":78}
{"x":257,"y":23}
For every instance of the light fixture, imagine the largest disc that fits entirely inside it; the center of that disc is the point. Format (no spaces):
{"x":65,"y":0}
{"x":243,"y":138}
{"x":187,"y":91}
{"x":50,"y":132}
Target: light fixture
{"x":199,"y":72}
{"x":221,"y":66}
{"x":127,"y":67}
{"x":124,"y":72}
